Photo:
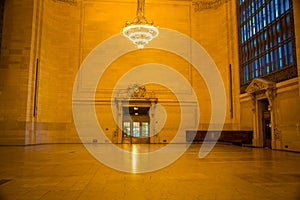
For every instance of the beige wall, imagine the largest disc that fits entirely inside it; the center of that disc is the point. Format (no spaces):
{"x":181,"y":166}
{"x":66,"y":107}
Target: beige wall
{"x":64,"y":34}
{"x":61,"y":34}
{"x":216,"y":30}
{"x":59,"y":61}
{"x":246,"y":113}
{"x":288,"y":99}
{"x":215,"y":34}
{"x":296,"y":126}
{"x":287,"y":115}
{"x":297,"y":32}
{"x":15,"y":66}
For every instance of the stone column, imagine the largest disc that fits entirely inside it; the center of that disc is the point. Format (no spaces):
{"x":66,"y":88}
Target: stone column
{"x":119,"y":121}
{"x":16,"y":65}
{"x":255,"y":139}
{"x":276,"y":143}
{"x":153,"y":136}
{"x":296,"y":10}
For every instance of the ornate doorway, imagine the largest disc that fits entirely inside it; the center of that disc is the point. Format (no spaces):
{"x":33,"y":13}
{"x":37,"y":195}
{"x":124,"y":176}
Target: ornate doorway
{"x":135,"y":110}
{"x":262,"y":93}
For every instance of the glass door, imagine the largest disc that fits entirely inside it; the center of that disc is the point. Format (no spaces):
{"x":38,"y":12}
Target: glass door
{"x":136,"y":132}
{"x":136,"y":129}
{"x":145,"y":129}
{"x":126,"y":132}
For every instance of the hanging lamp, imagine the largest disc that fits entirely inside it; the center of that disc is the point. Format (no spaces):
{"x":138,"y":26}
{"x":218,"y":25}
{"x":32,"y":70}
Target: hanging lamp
{"x":140,"y":32}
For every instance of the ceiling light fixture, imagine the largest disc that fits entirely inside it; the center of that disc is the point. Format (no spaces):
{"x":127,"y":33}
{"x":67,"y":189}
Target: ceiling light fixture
{"x":140,"y":31}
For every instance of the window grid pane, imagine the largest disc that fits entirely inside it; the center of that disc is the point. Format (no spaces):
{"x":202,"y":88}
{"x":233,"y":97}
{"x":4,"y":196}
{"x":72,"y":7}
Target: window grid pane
{"x":126,"y":128}
{"x":267,"y":41}
{"x":145,"y":129}
{"x":136,"y":129}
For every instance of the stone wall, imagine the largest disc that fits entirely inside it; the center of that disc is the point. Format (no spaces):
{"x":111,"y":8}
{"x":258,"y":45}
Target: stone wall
{"x":1,"y":19}
{"x":45,"y":42}
{"x":59,"y":60}
{"x":209,"y":27}
{"x":15,"y":67}
{"x":286,"y":104}
{"x":287,"y":115}
{"x":297,"y":32}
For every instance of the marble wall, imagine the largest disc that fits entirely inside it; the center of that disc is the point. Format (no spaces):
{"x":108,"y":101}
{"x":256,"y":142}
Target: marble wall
{"x":59,"y":61}
{"x":45,"y":42}
{"x":15,"y":69}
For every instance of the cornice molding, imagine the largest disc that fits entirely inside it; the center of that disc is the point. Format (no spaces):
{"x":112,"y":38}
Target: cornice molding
{"x":259,"y":84}
{"x":201,"y":5}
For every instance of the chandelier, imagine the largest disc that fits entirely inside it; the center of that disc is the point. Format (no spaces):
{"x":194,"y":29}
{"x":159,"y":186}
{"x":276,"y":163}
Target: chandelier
{"x":140,"y":31}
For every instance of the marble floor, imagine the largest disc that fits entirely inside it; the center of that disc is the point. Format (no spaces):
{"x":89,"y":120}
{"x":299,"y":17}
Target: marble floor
{"x":69,"y":171}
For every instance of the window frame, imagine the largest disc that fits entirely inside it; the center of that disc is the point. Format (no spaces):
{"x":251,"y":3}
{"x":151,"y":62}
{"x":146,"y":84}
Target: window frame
{"x":266,"y":41}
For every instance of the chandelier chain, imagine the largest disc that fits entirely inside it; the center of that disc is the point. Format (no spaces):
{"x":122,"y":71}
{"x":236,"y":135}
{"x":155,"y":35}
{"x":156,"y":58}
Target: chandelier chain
{"x":140,"y":8}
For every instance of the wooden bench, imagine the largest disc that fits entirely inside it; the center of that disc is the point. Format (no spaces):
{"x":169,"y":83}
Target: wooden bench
{"x":239,"y":137}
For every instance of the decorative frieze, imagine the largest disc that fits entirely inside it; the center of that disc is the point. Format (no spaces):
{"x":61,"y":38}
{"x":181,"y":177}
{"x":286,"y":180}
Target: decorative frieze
{"x":71,"y":2}
{"x":270,"y":94}
{"x":137,"y":91}
{"x":200,"y":5}
{"x":259,"y":84}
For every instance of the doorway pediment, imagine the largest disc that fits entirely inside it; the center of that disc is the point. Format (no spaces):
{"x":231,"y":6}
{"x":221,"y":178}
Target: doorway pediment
{"x":259,"y":84}
{"x":136,"y":95}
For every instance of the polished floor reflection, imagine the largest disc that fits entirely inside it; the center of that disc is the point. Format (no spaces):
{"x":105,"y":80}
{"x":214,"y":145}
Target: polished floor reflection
{"x":68,"y":171}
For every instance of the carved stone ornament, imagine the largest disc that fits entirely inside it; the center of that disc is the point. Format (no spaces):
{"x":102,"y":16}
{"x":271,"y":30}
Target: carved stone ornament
{"x":270,"y":95}
{"x":200,"y":5}
{"x":253,"y":101}
{"x":71,"y":2}
{"x":137,"y":91}
{"x":258,"y":85}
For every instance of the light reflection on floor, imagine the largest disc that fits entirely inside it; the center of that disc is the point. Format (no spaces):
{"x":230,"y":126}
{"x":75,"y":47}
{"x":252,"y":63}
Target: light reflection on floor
{"x":68,"y":171}
{"x":141,"y":148}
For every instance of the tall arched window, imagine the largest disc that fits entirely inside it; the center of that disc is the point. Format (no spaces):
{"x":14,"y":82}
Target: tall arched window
{"x":266,"y":41}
